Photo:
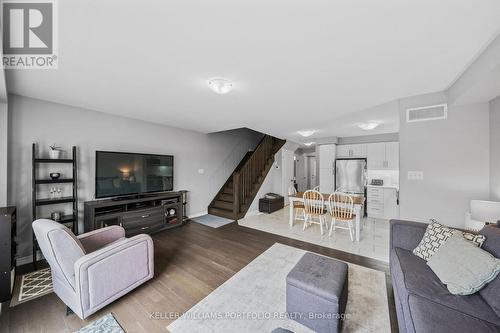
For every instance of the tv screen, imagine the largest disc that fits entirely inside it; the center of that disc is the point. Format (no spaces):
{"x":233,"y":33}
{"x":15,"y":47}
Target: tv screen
{"x":118,"y":174}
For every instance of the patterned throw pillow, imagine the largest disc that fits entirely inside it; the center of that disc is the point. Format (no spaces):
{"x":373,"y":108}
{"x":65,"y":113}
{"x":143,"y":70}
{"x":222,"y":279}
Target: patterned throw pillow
{"x":436,"y":235}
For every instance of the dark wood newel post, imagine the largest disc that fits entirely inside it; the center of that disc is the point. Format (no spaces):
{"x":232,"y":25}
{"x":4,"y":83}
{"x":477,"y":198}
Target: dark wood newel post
{"x":236,"y":194}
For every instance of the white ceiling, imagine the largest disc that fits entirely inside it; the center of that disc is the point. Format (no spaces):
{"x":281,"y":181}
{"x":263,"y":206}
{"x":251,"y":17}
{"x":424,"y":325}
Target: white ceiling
{"x":295,"y":64}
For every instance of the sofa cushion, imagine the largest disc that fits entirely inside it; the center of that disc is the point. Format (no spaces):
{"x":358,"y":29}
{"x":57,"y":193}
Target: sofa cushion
{"x":492,"y":245}
{"x":436,"y":235}
{"x":433,"y":317}
{"x":462,"y":267}
{"x":418,"y":279}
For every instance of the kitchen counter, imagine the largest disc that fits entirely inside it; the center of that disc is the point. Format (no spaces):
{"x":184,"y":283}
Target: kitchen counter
{"x":385,"y":186}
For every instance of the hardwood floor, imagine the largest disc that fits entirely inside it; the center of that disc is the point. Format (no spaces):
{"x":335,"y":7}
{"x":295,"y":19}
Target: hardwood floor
{"x":190,"y":262}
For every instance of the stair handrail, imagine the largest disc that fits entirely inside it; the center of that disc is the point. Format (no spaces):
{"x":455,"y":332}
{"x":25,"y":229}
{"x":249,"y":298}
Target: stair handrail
{"x":244,"y":178}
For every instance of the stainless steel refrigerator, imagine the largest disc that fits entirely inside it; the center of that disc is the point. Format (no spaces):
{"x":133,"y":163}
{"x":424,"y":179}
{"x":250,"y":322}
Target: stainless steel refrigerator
{"x":350,"y":175}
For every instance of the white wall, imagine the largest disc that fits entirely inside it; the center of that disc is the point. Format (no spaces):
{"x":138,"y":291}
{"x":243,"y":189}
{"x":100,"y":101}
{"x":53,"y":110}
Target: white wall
{"x":3,"y":153}
{"x":43,"y":122}
{"x":277,"y":180}
{"x":495,"y":149}
{"x":452,"y":153}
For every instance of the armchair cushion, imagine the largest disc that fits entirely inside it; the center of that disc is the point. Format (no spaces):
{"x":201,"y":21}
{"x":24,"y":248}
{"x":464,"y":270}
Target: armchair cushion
{"x":99,"y":238}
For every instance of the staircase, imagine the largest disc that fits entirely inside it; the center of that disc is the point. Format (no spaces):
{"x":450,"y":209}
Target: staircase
{"x":237,"y":194}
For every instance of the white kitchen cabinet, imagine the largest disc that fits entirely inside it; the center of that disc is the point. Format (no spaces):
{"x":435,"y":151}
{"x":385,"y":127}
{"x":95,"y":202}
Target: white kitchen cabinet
{"x":376,"y":156}
{"x":392,"y":155}
{"x":382,"y":202}
{"x":343,"y":150}
{"x":391,"y":208}
{"x":326,"y":167}
{"x":383,"y":156}
{"x":357,"y":150}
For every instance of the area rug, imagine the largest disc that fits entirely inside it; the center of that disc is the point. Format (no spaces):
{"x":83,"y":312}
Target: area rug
{"x":106,"y":324}
{"x":31,"y":285}
{"x":212,"y":221}
{"x":254,"y":299}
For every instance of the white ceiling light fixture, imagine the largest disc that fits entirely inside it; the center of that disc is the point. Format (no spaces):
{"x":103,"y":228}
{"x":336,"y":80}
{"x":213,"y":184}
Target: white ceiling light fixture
{"x":306,"y":133}
{"x":220,"y":85}
{"x":369,"y":125}
{"x":309,"y":143}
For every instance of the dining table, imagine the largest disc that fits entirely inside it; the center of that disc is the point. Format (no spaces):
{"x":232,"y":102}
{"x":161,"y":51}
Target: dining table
{"x":358,"y":202}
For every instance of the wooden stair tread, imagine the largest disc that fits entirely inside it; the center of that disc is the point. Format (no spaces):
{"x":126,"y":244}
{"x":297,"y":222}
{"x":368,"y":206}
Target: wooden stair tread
{"x":257,"y":167}
{"x":221,"y":212}
{"x":223,"y":205}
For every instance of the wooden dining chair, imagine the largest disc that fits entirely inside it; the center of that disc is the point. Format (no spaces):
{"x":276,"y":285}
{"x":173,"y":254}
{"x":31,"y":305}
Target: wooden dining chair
{"x":341,"y":209}
{"x":314,"y":208}
{"x":298,"y":206}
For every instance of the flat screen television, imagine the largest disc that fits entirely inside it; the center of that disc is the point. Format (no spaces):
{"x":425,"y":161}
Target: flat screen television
{"x":124,"y":174}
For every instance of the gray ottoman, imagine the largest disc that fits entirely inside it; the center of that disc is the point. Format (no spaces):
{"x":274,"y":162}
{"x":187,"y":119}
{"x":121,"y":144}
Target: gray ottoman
{"x":316,"y":293}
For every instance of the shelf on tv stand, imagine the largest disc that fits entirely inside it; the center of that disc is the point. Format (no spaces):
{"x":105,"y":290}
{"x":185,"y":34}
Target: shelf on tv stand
{"x":144,"y":214}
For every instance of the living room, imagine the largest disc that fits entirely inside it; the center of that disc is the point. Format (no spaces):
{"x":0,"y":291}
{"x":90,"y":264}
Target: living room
{"x":251,"y":167}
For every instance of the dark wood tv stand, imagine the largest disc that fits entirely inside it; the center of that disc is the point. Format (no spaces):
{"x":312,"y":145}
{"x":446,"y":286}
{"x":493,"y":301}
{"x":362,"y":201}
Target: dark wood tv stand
{"x":139,"y":214}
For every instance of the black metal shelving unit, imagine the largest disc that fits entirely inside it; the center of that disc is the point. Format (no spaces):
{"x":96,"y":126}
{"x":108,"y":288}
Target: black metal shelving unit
{"x":68,"y":220}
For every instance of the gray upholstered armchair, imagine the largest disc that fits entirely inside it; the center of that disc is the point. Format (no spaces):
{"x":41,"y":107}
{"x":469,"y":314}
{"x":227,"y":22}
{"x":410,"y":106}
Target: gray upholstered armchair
{"x":94,"y":269}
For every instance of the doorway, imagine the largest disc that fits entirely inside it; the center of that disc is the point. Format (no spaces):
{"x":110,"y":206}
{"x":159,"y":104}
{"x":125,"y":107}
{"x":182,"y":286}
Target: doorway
{"x":311,"y":172}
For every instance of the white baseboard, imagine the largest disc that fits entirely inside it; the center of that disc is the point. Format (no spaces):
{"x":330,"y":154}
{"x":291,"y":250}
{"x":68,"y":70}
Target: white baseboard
{"x":205,"y":212}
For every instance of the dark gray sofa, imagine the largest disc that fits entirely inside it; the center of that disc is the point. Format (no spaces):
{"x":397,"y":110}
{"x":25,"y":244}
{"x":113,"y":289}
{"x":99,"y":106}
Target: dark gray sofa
{"x":423,"y":304}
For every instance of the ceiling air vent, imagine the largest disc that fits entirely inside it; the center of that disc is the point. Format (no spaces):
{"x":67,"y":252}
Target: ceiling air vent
{"x":432,"y":112}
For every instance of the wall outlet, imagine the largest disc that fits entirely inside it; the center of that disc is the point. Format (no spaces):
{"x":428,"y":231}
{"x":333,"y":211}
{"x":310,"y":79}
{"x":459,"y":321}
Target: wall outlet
{"x":415,"y":175}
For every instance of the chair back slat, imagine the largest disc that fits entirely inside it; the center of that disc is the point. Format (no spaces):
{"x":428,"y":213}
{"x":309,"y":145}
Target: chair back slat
{"x":341,"y":205}
{"x":313,"y":202}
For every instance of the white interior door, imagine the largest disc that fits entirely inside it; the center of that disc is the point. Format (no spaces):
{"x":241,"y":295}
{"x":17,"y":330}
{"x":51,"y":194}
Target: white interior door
{"x":311,"y":172}
{"x":287,"y":171}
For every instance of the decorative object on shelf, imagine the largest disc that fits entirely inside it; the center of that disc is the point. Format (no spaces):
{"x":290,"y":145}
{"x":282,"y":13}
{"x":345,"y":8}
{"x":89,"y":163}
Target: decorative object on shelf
{"x":54,"y":175}
{"x":54,"y":151}
{"x":55,"y":194}
{"x":55,"y":216}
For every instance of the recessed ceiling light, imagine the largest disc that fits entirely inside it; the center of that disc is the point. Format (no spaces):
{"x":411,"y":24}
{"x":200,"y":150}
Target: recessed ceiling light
{"x":220,"y":85}
{"x":368,"y":126}
{"x":306,"y":133}
{"x":309,"y":143}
